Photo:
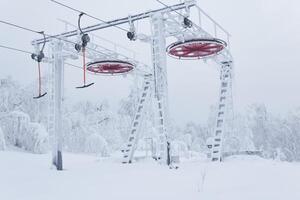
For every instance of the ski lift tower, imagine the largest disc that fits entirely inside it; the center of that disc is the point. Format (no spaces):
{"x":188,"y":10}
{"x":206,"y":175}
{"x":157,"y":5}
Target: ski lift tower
{"x":193,"y":42}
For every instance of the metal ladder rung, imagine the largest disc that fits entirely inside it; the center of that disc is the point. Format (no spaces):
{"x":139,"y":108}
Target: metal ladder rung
{"x":137,"y":122}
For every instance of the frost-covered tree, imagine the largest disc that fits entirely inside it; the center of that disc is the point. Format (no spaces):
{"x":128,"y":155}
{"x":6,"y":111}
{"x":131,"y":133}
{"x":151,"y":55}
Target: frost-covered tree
{"x":36,"y":139}
{"x":277,"y":137}
{"x":2,"y":140}
{"x":11,"y":94}
{"x":259,"y":121}
{"x":22,"y":133}
{"x":87,"y":120}
{"x":195,"y":137}
{"x":241,"y":138}
{"x":126,"y":112}
{"x":291,"y":132}
{"x":96,"y":144}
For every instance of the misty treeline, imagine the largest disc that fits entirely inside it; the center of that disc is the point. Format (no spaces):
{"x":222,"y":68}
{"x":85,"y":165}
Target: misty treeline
{"x":90,"y":127}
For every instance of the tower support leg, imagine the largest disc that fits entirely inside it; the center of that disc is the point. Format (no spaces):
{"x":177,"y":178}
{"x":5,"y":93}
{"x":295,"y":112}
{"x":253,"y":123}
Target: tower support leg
{"x":159,"y":61}
{"x":58,"y":65}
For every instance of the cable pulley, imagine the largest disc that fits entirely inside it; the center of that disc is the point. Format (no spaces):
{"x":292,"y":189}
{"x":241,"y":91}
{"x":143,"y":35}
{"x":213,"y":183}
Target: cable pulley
{"x":85,"y":39}
{"x":131,"y":34}
{"x":39,"y":58}
{"x":187,"y":22}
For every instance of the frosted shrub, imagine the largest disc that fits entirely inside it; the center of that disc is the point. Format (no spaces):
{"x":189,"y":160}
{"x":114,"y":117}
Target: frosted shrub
{"x":2,"y":140}
{"x":179,"y":148}
{"x":96,"y":144}
{"x":77,"y":138}
{"x":22,"y":133}
{"x":16,"y":125}
{"x":36,"y":139}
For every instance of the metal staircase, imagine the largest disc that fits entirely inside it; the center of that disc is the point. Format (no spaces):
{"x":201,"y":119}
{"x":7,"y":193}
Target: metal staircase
{"x":225,"y":92}
{"x":138,"y":120}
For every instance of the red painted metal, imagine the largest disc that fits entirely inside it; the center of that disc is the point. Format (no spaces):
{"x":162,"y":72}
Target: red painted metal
{"x":196,"y":48}
{"x":110,"y":67}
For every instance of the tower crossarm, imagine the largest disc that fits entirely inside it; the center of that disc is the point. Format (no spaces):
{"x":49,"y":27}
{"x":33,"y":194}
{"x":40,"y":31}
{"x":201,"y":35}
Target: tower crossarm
{"x":120,"y":21}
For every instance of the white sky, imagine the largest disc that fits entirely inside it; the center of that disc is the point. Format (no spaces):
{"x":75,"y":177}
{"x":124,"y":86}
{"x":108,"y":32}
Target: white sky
{"x":265,"y":46}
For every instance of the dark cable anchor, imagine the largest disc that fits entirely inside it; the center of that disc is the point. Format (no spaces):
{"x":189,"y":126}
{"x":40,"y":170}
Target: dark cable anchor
{"x":85,"y":39}
{"x":38,"y":58}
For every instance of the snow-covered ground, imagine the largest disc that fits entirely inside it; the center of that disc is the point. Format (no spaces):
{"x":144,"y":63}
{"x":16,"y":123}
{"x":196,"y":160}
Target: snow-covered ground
{"x":25,"y":176}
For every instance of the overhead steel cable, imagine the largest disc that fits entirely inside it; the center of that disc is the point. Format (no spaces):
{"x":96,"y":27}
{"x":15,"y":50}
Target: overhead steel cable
{"x":51,"y":36}
{"x":15,"y":49}
{"x":20,"y":27}
{"x":28,"y":52}
{"x":91,"y":16}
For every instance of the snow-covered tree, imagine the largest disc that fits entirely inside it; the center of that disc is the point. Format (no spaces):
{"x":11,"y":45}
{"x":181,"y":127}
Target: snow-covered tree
{"x":36,"y":139}
{"x":20,"y":132}
{"x":291,"y":132}
{"x":2,"y":140}
{"x":87,"y":120}
{"x":275,"y":136}
{"x":96,"y":144}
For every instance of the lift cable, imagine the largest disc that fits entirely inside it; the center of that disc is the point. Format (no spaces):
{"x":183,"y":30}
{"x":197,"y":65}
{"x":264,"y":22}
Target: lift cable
{"x":20,"y":27}
{"x":91,"y":16}
{"x":14,"y":49}
{"x":30,"y":53}
{"x":51,"y":36}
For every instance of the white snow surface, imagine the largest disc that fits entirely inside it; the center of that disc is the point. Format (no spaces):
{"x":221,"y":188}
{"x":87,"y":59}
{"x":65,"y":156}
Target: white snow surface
{"x":26,"y":176}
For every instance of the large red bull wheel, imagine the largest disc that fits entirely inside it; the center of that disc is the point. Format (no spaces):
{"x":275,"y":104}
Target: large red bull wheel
{"x":110,"y":67}
{"x":196,"y":48}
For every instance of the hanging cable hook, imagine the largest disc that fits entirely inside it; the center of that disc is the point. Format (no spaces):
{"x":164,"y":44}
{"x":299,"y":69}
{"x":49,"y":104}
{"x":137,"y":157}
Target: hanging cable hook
{"x":187,"y":23}
{"x":39,"y":58}
{"x":131,"y":34}
{"x":85,"y":39}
